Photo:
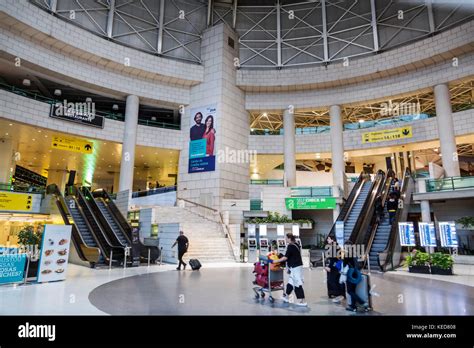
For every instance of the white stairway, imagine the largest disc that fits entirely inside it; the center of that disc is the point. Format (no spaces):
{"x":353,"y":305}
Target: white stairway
{"x":207,"y":243}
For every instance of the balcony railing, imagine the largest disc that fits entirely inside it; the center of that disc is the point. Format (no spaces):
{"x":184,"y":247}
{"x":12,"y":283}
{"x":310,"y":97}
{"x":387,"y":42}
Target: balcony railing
{"x":313,"y":191}
{"x":21,"y":188}
{"x":153,"y":191}
{"x":278,"y":182}
{"x":450,"y":184}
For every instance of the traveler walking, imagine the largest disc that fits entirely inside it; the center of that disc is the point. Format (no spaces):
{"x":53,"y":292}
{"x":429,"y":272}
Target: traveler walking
{"x":354,"y":276}
{"x":295,"y":269}
{"x":183,"y":244}
{"x":336,"y":290}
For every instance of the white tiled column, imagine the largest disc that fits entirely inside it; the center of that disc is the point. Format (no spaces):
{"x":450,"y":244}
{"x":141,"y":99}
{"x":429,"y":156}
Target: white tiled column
{"x":6,"y":160}
{"x":289,"y":147}
{"x":447,"y":140}
{"x":129,"y":143}
{"x":337,"y":153}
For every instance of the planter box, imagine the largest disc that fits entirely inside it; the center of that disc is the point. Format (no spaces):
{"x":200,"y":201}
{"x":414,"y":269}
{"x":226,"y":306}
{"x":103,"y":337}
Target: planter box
{"x":419,"y":269}
{"x":441,"y":271}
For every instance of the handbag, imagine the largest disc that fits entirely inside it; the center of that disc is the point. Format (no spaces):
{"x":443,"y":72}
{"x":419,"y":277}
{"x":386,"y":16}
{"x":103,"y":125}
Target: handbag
{"x":343,"y":277}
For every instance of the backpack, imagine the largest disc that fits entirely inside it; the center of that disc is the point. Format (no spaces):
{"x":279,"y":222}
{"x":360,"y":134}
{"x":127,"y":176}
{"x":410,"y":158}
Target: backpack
{"x":354,"y":276}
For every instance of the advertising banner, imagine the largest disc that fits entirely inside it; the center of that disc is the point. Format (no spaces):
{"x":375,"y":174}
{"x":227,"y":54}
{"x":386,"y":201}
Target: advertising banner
{"x":310,"y":203}
{"x":12,"y":266}
{"x":340,"y":232}
{"x":202,"y":138}
{"x":295,"y":229}
{"x":280,"y":230}
{"x":427,"y":234}
{"x":262,"y":230}
{"x":406,"y":231}
{"x":447,"y":232}
{"x":251,"y":230}
{"x":54,"y":253}
{"x":387,"y":135}
{"x":83,"y":113}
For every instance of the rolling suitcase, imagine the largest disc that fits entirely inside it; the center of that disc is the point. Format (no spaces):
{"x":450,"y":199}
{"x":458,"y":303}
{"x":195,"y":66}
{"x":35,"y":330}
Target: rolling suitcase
{"x":363,"y":291}
{"x":195,"y":264}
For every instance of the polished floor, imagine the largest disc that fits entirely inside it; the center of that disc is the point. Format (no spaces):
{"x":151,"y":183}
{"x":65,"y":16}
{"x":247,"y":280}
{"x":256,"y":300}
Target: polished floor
{"x":224,"y":289}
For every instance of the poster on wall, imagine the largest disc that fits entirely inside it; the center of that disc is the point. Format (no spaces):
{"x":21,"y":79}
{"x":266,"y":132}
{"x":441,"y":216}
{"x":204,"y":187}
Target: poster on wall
{"x":406,"y":231}
{"x":54,"y":257}
{"x":202,"y":138}
{"x":427,"y":234}
{"x":447,"y":232}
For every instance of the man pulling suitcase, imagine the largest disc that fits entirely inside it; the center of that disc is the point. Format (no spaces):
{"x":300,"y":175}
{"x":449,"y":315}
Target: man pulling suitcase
{"x":183,"y":244}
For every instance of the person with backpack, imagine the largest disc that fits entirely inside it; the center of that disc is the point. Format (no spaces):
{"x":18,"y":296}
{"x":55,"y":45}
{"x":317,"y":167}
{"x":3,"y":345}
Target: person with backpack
{"x":295,"y":269}
{"x":379,"y":209}
{"x":336,"y":290}
{"x":353,"y":277}
{"x":392,"y":206}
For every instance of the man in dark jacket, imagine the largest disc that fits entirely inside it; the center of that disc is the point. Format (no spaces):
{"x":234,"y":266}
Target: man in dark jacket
{"x":392,"y":206}
{"x":197,"y":131}
{"x":183,"y":244}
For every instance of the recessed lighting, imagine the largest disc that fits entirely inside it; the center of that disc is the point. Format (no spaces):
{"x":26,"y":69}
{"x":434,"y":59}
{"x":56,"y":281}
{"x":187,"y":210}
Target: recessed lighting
{"x":45,"y":136}
{"x":10,"y":124}
{"x":39,"y":130}
{"x":34,"y":157}
{"x":265,"y":114}
{"x":33,"y":139}
{"x":6,"y":133}
{"x":361,"y":121}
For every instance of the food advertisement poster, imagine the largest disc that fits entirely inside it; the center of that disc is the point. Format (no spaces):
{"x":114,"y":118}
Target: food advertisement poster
{"x":54,"y":257}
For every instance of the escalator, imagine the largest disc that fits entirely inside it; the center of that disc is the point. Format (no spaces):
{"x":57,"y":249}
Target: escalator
{"x":382,"y":242}
{"x":111,"y":250}
{"x":122,"y":228}
{"x":354,"y":214}
{"x":83,"y":240}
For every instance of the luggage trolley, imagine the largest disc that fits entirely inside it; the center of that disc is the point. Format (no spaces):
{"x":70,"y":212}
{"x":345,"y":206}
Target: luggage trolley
{"x":273,"y":276}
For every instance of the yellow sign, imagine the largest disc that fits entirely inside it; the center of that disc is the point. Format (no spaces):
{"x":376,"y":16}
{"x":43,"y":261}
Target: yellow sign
{"x":15,"y":201}
{"x":70,"y":144}
{"x":387,"y":135}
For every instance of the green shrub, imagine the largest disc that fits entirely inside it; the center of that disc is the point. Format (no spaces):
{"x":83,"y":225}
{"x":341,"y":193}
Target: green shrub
{"x":466,"y":221}
{"x":28,"y":236}
{"x":441,"y":260}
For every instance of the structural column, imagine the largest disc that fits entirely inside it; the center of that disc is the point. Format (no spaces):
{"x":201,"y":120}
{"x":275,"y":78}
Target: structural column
{"x":447,"y":140}
{"x":424,"y":207}
{"x":6,"y":160}
{"x":337,"y":153}
{"x":289,"y":147}
{"x":129,"y":140}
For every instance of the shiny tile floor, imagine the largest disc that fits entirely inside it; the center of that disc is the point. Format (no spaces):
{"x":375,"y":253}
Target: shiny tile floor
{"x":224,"y":289}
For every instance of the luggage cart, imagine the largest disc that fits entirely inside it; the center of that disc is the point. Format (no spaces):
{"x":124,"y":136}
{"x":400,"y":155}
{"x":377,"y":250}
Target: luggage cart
{"x":273,"y":276}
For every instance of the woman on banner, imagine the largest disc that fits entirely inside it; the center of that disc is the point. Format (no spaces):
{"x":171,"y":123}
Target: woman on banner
{"x":209,"y":135}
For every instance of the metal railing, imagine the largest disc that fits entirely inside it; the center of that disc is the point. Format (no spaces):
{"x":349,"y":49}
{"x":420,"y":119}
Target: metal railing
{"x":311,"y":191}
{"x":267,"y":182}
{"x":21,"y":188}
{"x":209,"y":214}
{"x":450,"y":184}
{"x":151,"y":192}
{"x":110,"y":115}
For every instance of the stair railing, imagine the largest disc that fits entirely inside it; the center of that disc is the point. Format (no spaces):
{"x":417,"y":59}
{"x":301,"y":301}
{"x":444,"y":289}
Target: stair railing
{"x":210,"y":214}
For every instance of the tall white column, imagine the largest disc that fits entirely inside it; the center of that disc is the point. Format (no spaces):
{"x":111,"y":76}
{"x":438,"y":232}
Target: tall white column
{"x":447,"y":140}
{"x":289,"y":147}
{"x":424,"y":207}
{"x":6,"y":160}
{"x":337,"y":153}
{"x":129,"y":140}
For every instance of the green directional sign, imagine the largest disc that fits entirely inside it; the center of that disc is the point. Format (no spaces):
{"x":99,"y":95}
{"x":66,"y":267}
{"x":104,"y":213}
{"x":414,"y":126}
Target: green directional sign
{"x":310,"y":203}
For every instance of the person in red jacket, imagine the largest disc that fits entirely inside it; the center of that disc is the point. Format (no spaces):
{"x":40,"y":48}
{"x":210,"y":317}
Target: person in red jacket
{"x":209,"y":135}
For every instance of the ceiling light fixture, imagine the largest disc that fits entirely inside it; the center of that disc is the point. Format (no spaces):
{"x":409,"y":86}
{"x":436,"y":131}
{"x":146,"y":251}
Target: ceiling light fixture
{"x":57,"y":92}
{"x":26,"y":83}
{"x":115,"y":107}
{"x":361,"y":121}
{"x":88,"y":100}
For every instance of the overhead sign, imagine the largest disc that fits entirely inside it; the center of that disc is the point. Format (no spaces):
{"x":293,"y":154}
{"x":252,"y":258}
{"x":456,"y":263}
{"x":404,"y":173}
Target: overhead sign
{"x":71,"y":144}
{"x":340,"y":232}
{"x":310,"y":203}
{"x":447,"y":232}
{"x":12,"y":267}
{"x":406,"y":231}
{"x":83,"y":113}
{"x":427,"y":234}
{"x":11,"y":201}
{"x":387,"y":135}
{"x":54,"y":253}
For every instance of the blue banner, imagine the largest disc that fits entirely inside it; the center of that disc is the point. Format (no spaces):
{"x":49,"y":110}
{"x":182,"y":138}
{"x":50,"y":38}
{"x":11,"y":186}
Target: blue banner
{"x":203,"y":164}
{"x":12,"y":268}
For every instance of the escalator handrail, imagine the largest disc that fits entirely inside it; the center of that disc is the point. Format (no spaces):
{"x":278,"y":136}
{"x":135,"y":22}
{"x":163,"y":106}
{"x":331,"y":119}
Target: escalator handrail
{"x":394,"y":228}
{"x":349,"y":203}
{"x":367,"y":208}
{"x":116,"y":214}
{"x":100,"y":218}
{"x":108,"y":245}
{"x":375,"y":224}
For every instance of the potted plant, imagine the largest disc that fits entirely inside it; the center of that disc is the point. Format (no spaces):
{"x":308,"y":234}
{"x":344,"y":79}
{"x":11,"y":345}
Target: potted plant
{"x":466,"y":222}
{"x":441,"y":264}
{"x":419,"y":262}
{"x":30,"y":239}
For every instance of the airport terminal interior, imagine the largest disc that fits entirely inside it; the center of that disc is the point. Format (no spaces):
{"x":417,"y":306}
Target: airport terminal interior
{"x":347,"y":125}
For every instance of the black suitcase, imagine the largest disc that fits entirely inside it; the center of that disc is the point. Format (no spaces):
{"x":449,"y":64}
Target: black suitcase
{"x":195,"y":264}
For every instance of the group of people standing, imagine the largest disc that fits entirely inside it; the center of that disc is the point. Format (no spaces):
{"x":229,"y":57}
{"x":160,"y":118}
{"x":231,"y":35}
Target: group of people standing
{"x":343,"y":275}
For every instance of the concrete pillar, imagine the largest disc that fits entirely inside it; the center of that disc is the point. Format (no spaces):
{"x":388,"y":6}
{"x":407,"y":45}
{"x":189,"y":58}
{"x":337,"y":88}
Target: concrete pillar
{"x":116,"y":183}
{"x":447,"y":140}
{"x":337,"y":154}
{"x":424,"y":207}
{"x":6,"y":160}
{"x":58,"y":177}
{"x":128,"y":147}
{"x":289,"y":147}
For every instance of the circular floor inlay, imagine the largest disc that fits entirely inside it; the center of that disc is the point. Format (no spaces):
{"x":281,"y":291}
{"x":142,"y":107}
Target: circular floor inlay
{"x":228,"y":291}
